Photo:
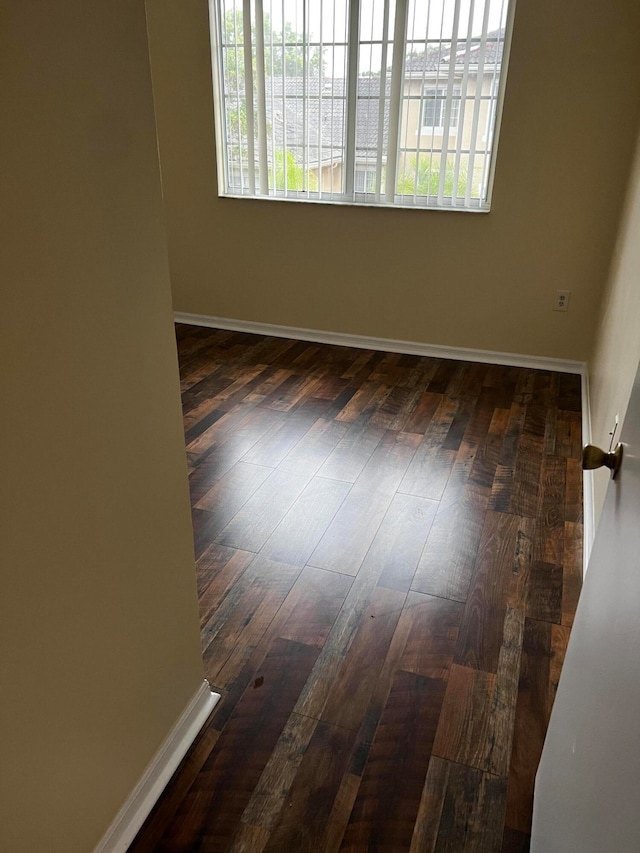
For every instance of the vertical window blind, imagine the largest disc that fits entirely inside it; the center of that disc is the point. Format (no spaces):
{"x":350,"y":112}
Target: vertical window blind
{"x":392,"y":102}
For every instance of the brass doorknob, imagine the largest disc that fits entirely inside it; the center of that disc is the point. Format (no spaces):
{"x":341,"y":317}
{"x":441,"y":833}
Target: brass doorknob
{"x":594,"y":457}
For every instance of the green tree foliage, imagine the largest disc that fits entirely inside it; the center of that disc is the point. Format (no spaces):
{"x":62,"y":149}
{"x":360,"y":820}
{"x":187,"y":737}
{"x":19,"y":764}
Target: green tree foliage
{"x":280,"y":53}
{"x":291,"y":55}
{"x":426,"y":179}
{"x":295,"y":174}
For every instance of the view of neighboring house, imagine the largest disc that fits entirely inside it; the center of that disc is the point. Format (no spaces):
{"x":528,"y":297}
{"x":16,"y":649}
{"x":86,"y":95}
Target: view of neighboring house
{"x":448,"y":106}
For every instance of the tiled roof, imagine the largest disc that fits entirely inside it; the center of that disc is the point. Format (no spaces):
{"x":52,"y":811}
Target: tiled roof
{"x":434,"y":58}
{"x":322,"y":123}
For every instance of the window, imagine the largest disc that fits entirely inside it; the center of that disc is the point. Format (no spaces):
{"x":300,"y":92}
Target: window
{"x":434,"y":109}
{"x":365,"y":180}
{"x":386,"y":102}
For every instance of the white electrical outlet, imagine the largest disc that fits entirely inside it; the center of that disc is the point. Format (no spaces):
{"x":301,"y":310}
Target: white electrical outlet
{"x":562,"y":300}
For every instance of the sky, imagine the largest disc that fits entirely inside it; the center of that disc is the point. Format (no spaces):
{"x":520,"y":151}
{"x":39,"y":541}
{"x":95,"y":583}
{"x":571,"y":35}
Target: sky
{"x":425,"y":19}
{"x":326,"y":15}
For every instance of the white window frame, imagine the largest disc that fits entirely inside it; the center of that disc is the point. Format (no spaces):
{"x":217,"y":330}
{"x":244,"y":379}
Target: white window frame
{"x":440,"y":99}
{"x":388,"y":195}
{"x":368,"y":172}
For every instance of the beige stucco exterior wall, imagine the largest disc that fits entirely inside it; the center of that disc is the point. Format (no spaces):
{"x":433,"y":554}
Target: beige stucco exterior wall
{"x":99,"y":648}
{"x":476,"y":280}
{"x":614,"y":362}
{"x":429,"y":144}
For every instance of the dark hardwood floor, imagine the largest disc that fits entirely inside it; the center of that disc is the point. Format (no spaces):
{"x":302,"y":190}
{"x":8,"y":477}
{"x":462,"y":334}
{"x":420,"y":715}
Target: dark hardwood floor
{"x":388,"y":562}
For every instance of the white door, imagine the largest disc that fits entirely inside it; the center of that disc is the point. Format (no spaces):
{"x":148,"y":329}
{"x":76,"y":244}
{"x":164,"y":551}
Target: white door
{"x":587,"y":795}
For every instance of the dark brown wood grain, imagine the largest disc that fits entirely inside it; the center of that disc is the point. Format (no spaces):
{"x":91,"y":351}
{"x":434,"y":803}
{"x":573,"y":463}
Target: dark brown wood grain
{"x":535,"y":699}
{"x":462,"y":809}
{"x":482,"y":626}
{"x":388,"y":562}
{"x":211,"y":809}
{"x":388,"y":798}
{"x":302,"y":823}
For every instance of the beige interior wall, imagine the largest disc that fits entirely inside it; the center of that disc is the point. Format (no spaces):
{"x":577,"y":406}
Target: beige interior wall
{"x":617,"y":348}
{"x":100,"y":649}
{"x":474,"y":280}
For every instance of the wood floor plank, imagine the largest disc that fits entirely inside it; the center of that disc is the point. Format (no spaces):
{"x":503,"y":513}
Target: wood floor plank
{"x":230,"y":450}
{"x":461,"y":810}
{"x":571,"y":571}
{"x":352,"y":453}
{"x":431,"y":465}
{"x":420,"y":419}
{"x":227,"y":395}
{"x":303,"y":821}
{"x":533,"y":708}
{"x":339,"y":816}
{"x":214,"y":804}
{"x":309,"y":454}
{"x":295,"y":538}
{"x":230,"y":565}
{"x":431,"y":640}
{"x":270,"y":793}
{"x":477,"y":718}
{"x":352,"y":688}
{"x":497,"y":753}
{"x":443,"y":375}
{"x":459,"y":425}
{"x":316,"y":610}
{"x":249,"y":839}
{"x":393,"y":411}
{"x":273,"y":447}
{"x":304,"y":611}
{"x":400,"y":540}
{"x":229,"y":493}
{"x":463,"y":727}
{"x":515,"y":842}
{"x":427,"y":825}
{"x":348,"y":537}
{"x":482,"y":626}
{"x":232,"y":643}
{"x":447,"y":562}
{"x":569,"y":391}
{"x":526,"y":483}
{"x":551,"y":511}
{"x":519,"y":584}
{"x":483,"y":408}
{"x":306,"y":615}
{"x":258,"y":517}
{"x":290,"y":392}
{"x":210,"y":381}
{"x":388,"y":798}
{"x":215,"y":435}
{"x":359,"y":402}
{"x":573,"y":492}
{"x":468,"y":380}
{"x":568,"y":434}
{"x":208,"y":566}
{"x":314,"y":696}
{"x":545,"y":592}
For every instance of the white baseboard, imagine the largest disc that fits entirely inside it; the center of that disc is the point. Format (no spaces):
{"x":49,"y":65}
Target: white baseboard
{"x":141,"y":800}
{"x":430,"y":350}
{"x":387,"y":344}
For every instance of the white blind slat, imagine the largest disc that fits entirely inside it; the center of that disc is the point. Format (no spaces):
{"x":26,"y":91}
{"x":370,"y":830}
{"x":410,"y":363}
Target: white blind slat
{"x":248,"y":87}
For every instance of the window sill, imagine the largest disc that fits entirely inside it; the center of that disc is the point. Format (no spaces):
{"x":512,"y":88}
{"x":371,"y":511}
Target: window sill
{"x":337,"y":202}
